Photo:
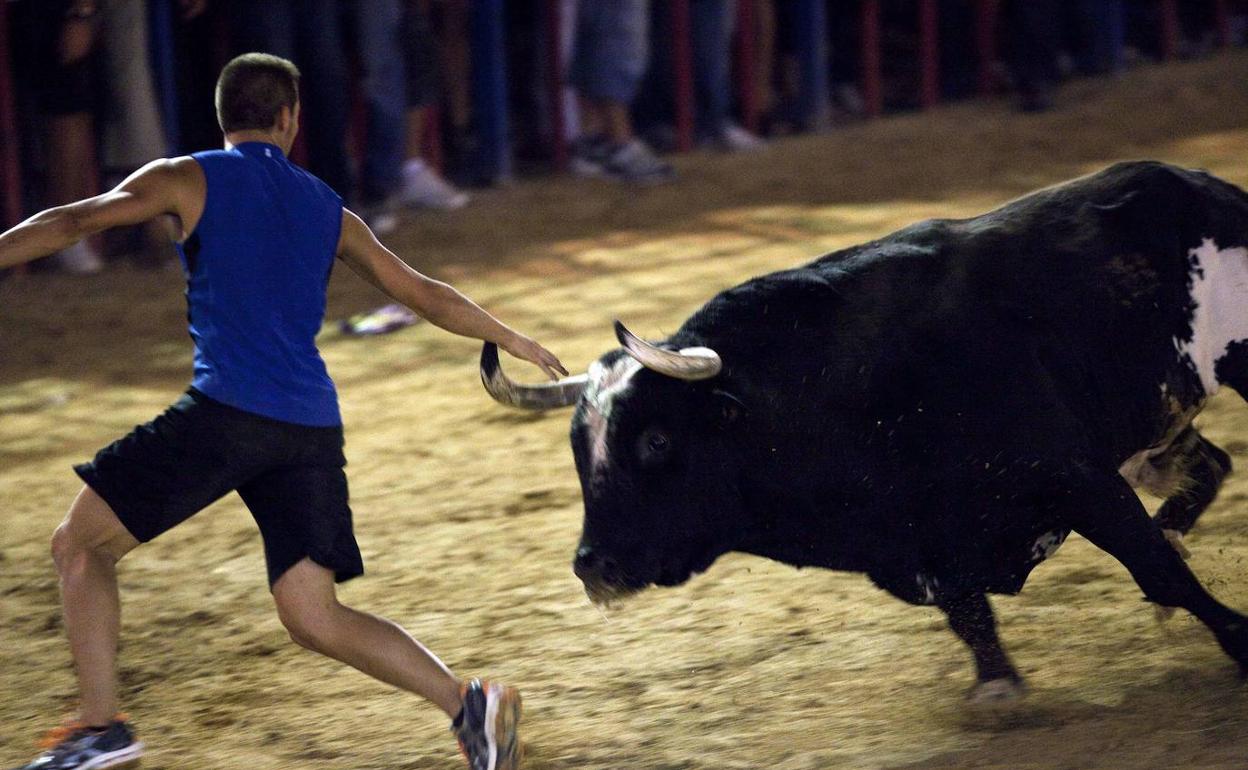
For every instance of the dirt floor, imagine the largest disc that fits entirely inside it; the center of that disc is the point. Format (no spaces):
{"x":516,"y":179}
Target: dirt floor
{"x":468,"y":513}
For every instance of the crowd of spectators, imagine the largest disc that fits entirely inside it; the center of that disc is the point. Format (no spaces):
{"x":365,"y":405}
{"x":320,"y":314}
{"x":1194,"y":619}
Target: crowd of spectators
{"x":388,"y":104}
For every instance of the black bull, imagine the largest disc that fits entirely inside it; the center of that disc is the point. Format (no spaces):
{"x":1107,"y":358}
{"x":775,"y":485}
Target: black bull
{"x":938,"y":409}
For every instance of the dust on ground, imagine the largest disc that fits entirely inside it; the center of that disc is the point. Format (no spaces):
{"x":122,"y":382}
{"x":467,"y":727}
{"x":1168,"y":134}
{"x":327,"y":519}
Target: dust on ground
{"x":468,"y":513}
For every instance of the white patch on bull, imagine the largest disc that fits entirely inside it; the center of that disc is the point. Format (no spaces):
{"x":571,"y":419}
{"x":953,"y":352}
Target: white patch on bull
{"x":1047,"y":544}
{"x":605,"y":385}
{"x":1218,"y":285}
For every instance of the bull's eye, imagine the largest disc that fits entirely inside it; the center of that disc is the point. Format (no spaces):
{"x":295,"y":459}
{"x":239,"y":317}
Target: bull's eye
{"x":654,"y":446}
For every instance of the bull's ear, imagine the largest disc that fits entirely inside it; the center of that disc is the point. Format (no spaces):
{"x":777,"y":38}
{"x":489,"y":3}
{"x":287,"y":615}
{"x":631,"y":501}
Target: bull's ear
{"x":728,"y":409}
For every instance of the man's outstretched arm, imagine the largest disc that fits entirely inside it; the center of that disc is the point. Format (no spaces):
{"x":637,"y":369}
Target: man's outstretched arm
{"x":166,"y":186}
{"x":437,"y":302}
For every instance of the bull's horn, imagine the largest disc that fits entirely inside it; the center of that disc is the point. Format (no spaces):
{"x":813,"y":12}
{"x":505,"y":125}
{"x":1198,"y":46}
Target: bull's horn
{"x":685,"y":364}
{"x":549,"y":395}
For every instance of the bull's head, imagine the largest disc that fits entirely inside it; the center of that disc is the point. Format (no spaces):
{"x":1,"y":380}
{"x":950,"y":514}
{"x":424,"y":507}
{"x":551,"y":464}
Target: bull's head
{"x":655,"y":438}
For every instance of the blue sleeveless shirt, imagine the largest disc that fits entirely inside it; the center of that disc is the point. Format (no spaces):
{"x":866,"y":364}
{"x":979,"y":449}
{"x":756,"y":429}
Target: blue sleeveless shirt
{"x":257,"y":267}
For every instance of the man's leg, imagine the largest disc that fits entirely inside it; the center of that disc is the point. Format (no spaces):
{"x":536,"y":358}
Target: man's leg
{"x":308,"y":606}
{"x":86,"y":548}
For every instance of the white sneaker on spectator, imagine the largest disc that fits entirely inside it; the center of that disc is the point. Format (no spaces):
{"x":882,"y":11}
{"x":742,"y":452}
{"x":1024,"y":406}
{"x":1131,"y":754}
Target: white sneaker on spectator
{"x":589,"y":156}
{"x":381,"y":218}
{"x":634,"y":161}
{"x":424,"y":188}
{"x":734,"y":138}
{"x":79,"y":259}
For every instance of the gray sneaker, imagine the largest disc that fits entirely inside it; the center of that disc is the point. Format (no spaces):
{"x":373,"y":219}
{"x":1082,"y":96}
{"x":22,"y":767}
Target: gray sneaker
{"x":81,"y":748}
{"x":635,"y":162}
{"x":486,"y":727}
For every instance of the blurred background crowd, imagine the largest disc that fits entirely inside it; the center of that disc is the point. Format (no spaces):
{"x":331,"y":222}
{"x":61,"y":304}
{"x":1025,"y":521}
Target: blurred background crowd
{"x":409,"y":104}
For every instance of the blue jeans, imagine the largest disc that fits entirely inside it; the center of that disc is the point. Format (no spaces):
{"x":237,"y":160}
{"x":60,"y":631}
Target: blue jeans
{"x":378,"y":34}
{"x":612,"y":49}
{"x":713,"y":23}
{"x":310,"y":33}
{"x":306,"y":32}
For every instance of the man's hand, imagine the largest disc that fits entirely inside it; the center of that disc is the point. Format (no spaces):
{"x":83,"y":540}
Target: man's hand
{"x":526,"y":349}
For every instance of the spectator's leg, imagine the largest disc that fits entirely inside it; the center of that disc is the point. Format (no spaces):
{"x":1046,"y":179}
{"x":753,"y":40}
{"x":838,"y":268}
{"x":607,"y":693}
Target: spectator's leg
{"x":325,"y":85}
{"x":422,"y":186}
{"x":378,"y":25}
{"x":712,"y":26}
{"x":611,"y":55}
{"x":67,"y":97}
{"x":457,"y":72}
{"x":132,"y":130}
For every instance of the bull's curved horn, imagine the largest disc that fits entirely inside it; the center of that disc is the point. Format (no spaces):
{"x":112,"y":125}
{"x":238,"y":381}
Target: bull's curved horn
{"x":685,"y":364}
{"x":549,"y":395}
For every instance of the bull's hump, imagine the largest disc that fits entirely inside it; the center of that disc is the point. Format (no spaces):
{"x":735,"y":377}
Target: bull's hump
{"x":1218,"y":286}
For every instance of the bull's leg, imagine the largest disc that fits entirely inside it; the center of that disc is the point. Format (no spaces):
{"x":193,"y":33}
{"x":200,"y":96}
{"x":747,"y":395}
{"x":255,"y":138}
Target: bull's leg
{"x":1207,"y":467}
{"x":970,"y":617}
{"x":1114,"y":520}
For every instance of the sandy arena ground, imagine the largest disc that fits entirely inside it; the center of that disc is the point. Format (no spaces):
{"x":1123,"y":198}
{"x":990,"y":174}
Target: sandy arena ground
{"x":468,"y":513}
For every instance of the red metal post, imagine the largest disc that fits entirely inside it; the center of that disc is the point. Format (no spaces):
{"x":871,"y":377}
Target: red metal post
{"x":554,"y":84}
{"x":929,"y":54}
{"x":1222,"y":22}
{"x":10,"y":162}
{"x":682,"y":73}
{"x":987,"y":15}
{"x":747,"y":86}
{"x":872,"y":90}
{"x":1169,"y":28}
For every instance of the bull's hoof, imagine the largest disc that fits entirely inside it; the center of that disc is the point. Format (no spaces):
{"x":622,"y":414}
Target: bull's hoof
{"x":996,"y":693}
{"x":1175,"y":538}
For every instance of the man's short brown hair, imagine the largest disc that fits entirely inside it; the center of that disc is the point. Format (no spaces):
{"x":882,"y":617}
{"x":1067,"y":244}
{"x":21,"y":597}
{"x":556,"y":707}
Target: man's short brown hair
{"x":252,"y":90}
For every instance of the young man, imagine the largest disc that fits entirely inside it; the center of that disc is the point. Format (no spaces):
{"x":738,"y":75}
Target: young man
{"x":258,"y":237}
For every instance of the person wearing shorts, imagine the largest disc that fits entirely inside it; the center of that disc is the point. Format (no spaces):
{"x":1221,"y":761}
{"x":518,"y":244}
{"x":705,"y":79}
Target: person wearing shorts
{"x":259,"y":237}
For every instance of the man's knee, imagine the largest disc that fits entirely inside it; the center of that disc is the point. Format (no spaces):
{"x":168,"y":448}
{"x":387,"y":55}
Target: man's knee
{"x":91,"y":531}
{"x":70,"y":552}
{"x":310,"y":626}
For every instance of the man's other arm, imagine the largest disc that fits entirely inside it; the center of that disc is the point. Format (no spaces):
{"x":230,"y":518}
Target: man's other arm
{"x":166,"y":186}
{"x":437,"y":302}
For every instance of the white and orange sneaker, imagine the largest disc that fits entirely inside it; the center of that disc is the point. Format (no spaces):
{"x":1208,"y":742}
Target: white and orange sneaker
{"x":486,"y":726}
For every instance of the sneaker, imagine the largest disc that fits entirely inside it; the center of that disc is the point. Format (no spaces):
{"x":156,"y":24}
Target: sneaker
{"x":423,"y":188}
{"x":734,"y":138}
{"x":634,"y":161}
{"x":79,"y":259}
{"x":590,"y":155}
{"x":75,"y":747}
{"x":486,"y":726}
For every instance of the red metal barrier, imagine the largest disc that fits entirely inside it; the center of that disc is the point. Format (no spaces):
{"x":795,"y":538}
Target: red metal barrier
{"x":554,"y":84}
{"x":987,"y":17}
{"x":10,"y":165}
{"x":869,"y":41}
{"x":682,"y":73}
{"x":747,"y":85}
{"x":1169,"y":11}
{"x":929,"y":54}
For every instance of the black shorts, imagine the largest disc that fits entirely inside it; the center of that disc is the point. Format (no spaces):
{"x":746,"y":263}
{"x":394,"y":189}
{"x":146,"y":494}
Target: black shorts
{"x":290,"y":476}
